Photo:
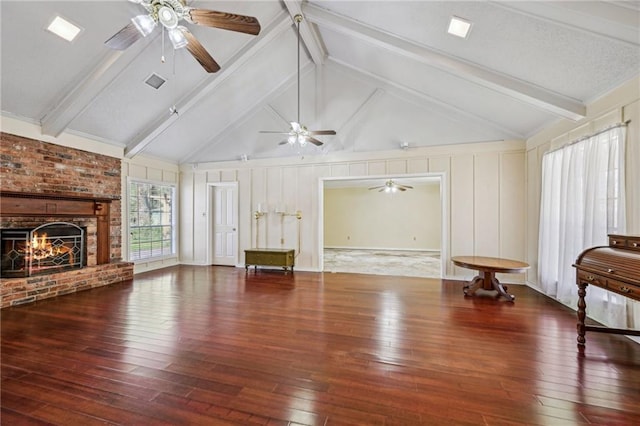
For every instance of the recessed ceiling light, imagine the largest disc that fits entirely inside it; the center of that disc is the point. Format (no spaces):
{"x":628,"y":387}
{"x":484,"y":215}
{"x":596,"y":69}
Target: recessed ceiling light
{"x":459,"y":27}
{"x":63,"y":28}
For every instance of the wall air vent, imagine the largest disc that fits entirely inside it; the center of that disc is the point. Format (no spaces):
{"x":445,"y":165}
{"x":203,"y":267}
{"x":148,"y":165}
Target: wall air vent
{"x":155,"y":81}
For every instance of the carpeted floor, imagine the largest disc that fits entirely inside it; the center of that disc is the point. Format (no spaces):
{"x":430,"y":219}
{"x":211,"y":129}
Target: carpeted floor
{"x":383,"y":262}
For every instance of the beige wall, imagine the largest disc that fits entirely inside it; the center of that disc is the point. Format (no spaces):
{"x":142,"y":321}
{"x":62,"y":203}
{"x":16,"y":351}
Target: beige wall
{"x":620,"y":105}
{"x":483,"y":195}
{"x":359,"y":218}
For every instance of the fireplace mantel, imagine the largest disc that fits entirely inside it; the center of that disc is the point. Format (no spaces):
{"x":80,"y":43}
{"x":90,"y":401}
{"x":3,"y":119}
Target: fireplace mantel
{"x":63,"y":205}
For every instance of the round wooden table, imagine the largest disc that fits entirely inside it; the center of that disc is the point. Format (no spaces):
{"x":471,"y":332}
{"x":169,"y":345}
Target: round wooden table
{"x":487,"y":268}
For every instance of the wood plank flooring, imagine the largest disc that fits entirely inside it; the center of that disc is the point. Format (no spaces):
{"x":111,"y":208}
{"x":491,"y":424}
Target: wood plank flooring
{"x":213,"y":345}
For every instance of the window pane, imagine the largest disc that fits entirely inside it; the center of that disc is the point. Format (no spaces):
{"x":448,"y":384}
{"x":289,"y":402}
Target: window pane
{"x":151,"y":224}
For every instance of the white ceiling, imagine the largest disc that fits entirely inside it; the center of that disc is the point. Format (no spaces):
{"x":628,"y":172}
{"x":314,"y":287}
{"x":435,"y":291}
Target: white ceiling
{"x":378,"y":72}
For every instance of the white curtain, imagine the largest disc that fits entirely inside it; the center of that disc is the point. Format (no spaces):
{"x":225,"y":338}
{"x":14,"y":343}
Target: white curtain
{"x":582,"y":201}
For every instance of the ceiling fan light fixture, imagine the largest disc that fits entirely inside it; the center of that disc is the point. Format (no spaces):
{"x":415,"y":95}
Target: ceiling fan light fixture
{"x":177,"y":38}
{"x":144,"y":23}
{"x":168,"y":17}
{"x":295,"y":127}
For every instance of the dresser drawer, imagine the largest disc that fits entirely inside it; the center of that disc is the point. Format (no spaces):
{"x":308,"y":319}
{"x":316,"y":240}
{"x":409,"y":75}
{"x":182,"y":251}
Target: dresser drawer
{"x":591,"y":278}
{"x":633,"y":243}
{"x":625,"y":241}
{"x":626,"y":289}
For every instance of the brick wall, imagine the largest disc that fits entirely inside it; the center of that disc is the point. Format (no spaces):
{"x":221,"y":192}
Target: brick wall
{"x":20,"y":291}
{"x":36,"y":166}
{"x":28,"y":165}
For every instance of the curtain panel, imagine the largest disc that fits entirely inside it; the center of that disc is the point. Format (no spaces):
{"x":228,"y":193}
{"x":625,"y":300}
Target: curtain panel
{"x":582,"y":201}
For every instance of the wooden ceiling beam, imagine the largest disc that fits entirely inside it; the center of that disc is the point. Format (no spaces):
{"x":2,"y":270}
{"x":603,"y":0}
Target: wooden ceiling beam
{"x":92,"y":83}
{"x":517,"y":89}
{"x":602,"y":19}
{"x":256,"y":106}
{"x":417,"y":98}
{"x":280,"y":24}
{"x":308,"y":33}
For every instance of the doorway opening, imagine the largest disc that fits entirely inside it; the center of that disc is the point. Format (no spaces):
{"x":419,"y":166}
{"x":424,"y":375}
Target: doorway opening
{"x":384,"y":225}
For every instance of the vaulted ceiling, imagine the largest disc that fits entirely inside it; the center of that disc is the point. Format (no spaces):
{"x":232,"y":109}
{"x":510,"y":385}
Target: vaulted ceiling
{"x":380,"y":73}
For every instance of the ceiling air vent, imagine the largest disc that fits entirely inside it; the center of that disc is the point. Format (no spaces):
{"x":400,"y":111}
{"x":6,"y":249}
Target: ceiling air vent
{"x":155,"y":81}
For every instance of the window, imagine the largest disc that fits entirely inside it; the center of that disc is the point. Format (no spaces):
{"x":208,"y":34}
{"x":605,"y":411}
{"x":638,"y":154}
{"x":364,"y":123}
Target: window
{"x":151,"y":220}
{"x":582,"y":200}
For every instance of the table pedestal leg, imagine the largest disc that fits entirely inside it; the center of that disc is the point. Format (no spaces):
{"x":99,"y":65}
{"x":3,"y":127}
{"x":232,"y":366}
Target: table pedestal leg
{"x":476,"y":283}
{"x":487,"y":281}
{"x":502,"y":290}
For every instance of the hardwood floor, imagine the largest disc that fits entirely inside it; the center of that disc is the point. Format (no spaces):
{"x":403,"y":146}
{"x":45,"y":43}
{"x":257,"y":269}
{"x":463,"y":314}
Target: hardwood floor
{"x":211,"y":345}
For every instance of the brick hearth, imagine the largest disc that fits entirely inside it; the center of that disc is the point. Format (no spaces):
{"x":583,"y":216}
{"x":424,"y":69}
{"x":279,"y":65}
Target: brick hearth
{"x":32,"y":166}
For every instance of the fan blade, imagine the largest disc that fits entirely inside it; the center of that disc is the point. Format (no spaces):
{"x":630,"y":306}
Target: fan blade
{"x":226,"y":21}
{"x":405,"y":186}
{"x":382,"y":189}
{"x":199,"y":52}
{"x":124,"y":38}
{"x":314,"y":141}
{"x":401,"y":188}
{"x":284,"y":142}
{"x":322,"y":132}
{"x":376,"y":187}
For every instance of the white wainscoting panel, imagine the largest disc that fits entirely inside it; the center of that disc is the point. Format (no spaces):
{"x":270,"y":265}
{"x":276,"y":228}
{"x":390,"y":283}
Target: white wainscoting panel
{"x":487,"y":205}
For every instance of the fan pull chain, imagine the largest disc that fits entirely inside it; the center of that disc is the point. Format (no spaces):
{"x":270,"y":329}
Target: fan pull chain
{"x":174,"y":63}
{"x":174,"y":109}
{"x":162,"y":55}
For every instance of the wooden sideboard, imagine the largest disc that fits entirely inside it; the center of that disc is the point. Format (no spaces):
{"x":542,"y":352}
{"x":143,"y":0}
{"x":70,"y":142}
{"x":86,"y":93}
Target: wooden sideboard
{"x":283,"y":258}
{"x":615,"y":268}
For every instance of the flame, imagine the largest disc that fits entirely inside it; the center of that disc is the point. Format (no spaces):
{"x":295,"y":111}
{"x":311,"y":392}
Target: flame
{"x":40,"y":248}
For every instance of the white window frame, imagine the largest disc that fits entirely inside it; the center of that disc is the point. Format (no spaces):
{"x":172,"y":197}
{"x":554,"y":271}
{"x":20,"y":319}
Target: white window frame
{"x":173,"y":223}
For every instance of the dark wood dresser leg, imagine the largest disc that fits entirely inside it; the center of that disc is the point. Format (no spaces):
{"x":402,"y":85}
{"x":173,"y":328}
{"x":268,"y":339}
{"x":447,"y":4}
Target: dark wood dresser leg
{"x":582,"y":312}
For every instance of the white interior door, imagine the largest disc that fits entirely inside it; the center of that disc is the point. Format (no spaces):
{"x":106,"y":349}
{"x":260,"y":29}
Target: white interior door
{"x":223,"y":238}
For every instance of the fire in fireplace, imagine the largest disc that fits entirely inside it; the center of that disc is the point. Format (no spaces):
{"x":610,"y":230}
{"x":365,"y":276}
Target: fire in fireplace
{"x":49,"y":248}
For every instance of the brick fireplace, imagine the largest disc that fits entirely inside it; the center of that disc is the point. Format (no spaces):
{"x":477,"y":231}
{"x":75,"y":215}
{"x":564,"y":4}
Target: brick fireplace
{"x":45,"y":183}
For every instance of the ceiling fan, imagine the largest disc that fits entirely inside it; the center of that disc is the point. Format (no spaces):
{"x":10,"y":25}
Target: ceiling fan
{"x":391,"y":186}
{"x":299,"y":133}
{"x":169,"y":13}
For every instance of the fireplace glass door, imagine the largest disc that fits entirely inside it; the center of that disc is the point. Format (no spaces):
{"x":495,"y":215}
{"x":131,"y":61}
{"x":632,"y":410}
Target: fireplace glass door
{"x":49,"y":248}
